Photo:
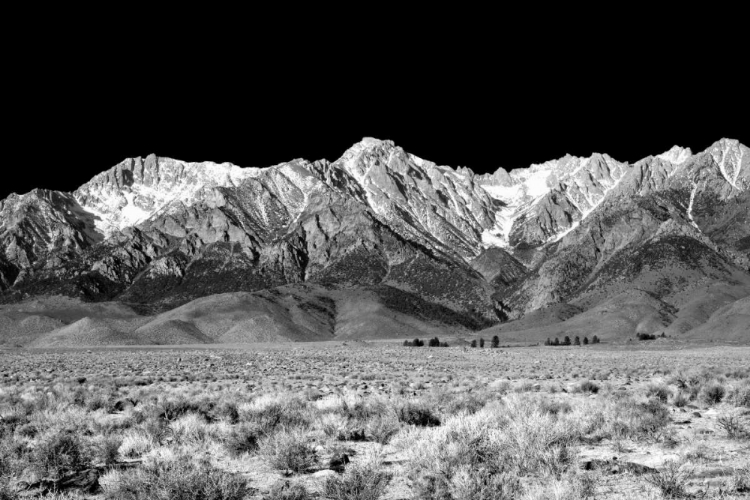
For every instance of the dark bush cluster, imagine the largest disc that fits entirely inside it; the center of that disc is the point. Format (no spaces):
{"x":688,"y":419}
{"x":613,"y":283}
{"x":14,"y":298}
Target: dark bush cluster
{"x":566,"y":341}
{"x":416,"y":414}
{"x":646,"y":336}
{"x":435,"y":342}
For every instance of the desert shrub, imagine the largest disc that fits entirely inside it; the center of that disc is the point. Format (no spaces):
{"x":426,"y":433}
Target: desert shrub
{"x":658,"y":391}
{"x":9,"y":423}
{"x":412,"y":413}
{"x":287,"y":450}
{"x":713,"y":393}
{"x":106,"y":449}
{"x":652,"y":416}
{"x":740,"y":481}
{"x":552,"y":407}
{"x":60,"y":453}
{"x":156,"y":429}
{"x":98,"y":401}
{"x":740,"y":395}
{"x":190,"y":428}
{"x":477,"y":484}
{"x":495,"y":342}
{"x":287,"y":490}
{"x":28,"y":430}
{"x":243,"y":439}
{"x":588,"y":386}
{"x":135,"y":443}
{"x":289,"y":413}
{"x":226,"y":411}
{"x":733,"y":426}
{"x":630,"y":419}
{"x":381,"y":429}
{"x":178,"y":479}
{"x":174,"y":409}
{"x":671,"y":480}
{"x":646,"y":336}
{"x":680,"y":399}
{"x":465,"y":403}
{"x":363,"y":482}
{"x":363,"y":409}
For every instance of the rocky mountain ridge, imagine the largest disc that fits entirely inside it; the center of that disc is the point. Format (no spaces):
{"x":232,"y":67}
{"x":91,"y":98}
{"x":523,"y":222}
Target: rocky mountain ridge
{"x":447,"y":246}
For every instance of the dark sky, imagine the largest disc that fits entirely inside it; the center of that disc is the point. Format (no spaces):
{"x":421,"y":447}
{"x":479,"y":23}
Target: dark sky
{"x":84,"y":102}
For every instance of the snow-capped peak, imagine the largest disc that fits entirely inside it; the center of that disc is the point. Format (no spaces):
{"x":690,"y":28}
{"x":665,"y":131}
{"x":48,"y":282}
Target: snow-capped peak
{"x":134,"y":190}
{"x":677,"y":155}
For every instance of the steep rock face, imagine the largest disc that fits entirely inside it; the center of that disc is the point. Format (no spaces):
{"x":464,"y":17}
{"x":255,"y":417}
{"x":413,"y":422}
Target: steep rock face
{"x":445,"y":209}
{"x":41,"y":226}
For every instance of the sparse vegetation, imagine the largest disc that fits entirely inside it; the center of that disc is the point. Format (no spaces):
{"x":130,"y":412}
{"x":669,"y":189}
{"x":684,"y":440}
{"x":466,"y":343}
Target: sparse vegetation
{"x":391,"y":422}
{"x":363,"y":482}
{"x":672,"y":480}
{"x":176,"y":478}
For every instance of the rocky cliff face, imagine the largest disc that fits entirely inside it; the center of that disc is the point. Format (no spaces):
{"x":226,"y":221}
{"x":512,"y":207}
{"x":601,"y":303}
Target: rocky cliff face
{"x":426,"y":239}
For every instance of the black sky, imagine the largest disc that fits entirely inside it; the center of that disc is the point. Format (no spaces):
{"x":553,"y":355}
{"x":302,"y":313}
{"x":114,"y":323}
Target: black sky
{"x":83,"y":101}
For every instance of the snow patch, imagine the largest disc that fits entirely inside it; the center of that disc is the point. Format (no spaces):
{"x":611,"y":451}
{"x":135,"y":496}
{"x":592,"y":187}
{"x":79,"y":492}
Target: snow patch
{"x":690,"y":206}
{"x":738,"y":167}
{"x":561,"y":235}
{"x":131,"y":213}
{"x":492,"y":240}
{"x":677,"y":155}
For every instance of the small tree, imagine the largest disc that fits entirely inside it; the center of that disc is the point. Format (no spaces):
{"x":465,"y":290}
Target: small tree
{"x":495,"y":341}
{"x":474,"y":343}
{"x":481,"y":342}
{"x":585,"y":341}
{"x":556,"y":342}
{"x":443,"y":344}
{"x":577,"y":340}
{"x":407,"y":343}
{"x":595,"y":340}
{"x":548,"y":341}
{"x":434,"y":342}
{"x":566,"y":341}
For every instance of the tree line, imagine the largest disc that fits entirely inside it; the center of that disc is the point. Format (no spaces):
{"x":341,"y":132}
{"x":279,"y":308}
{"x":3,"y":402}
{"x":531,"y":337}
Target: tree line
{"x":567,"y":341}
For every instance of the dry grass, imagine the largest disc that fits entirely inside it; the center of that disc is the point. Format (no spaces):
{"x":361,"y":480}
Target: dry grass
{"x":401,"y":423}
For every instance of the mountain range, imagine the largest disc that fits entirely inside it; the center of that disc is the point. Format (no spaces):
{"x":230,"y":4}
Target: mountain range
{"x":382,"y":243}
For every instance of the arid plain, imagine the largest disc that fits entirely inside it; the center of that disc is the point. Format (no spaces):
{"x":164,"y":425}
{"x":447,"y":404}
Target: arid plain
{"x":369,"y":420}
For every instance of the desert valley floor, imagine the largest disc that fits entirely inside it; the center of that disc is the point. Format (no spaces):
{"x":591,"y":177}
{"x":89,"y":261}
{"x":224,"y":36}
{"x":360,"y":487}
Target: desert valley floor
{"x":658,"y":419}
